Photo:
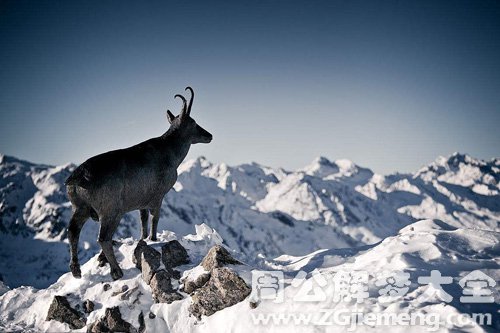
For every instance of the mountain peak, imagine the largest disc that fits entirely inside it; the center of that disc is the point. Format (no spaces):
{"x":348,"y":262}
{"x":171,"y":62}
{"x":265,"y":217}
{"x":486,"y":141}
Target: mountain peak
{"x":322,"y":160}
{"x":449,"y":162}
{"x":462,"y":169}
{"x":456,"y":158}
{"x":321,"y":167}
{"x":4,"y":159}
{"x":198,"y":164}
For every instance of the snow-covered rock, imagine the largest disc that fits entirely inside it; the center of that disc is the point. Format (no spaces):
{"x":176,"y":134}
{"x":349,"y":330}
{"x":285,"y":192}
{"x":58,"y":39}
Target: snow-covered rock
{"x":417,"y":250}
{"x":61,"y":307}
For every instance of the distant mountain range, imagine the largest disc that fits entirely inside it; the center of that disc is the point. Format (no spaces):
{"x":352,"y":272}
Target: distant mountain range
{"x":255,"y":209}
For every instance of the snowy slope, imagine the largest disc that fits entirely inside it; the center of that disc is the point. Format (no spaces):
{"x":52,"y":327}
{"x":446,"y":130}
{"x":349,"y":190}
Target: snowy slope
{"x":256,"y":209}
{"x":416,"y":249}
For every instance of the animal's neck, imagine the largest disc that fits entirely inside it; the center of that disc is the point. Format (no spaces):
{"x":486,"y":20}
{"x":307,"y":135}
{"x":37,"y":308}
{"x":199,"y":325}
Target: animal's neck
{"x":179,"y":145}
{"x":180,"y":153}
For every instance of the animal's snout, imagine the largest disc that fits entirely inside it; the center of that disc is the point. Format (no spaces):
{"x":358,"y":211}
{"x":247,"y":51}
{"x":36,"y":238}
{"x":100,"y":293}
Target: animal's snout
{"x":204,"y":135}
{"x":207,"y":138}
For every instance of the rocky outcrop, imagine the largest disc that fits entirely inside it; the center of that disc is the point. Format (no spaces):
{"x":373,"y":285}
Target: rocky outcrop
{"x":212,"y":286}
{"x":160,"y":279}
{"x":161,"y":287}
{"x":136,"y":258}
{"x":61,"y":310}
{"x":218,"y":256}
{"x":190,"y":285}
{"x":88,"y":306}
{"x":225,"y":288}
{"x":150,"y":262}
{"x":112,"y":321}
{"x":173,"y":254}
{"x":99,"y":326}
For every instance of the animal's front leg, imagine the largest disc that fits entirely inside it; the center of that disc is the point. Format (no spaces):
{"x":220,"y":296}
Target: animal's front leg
{"x":144,"y":223}
{"x":154,"y":223}
{"x":108,"y":228}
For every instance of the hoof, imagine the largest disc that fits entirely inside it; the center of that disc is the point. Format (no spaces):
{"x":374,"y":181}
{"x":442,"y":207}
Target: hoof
{"x":75,"y":270}
{"x":116,"y":274}
{"x":153,"y":238}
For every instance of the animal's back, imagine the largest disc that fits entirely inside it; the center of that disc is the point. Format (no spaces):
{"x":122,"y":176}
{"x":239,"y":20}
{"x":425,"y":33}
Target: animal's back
{"x":96,"y":169}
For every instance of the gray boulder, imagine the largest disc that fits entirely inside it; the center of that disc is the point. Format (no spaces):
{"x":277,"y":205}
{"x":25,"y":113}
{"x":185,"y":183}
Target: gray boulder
{"x":136,"y":258}
{"x":99,"y":326}
{"x":150,"y":262}
{"x":218,"y":256}
{"x":88,"y":306}
{"x":161,"y":287}
{"x":173,"y":254}
{"x":191,"y":285}
{"x":125,"y":296}
{"x":111,"y":322}
{"x":225,"y":288}
{"x":61,"y":310}
{"x":175,"y":273}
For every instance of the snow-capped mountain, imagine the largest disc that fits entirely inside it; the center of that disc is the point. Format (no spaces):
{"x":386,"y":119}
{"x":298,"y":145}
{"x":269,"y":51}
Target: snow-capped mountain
{"x":256,"y":209}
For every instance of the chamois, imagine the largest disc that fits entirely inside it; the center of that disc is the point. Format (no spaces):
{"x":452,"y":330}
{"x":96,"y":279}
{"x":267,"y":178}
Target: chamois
{"x":107,"y":186}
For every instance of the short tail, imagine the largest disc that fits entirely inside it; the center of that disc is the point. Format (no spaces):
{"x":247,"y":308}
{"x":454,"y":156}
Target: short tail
{"x":78,"y":177}
{"x":71,"y":185}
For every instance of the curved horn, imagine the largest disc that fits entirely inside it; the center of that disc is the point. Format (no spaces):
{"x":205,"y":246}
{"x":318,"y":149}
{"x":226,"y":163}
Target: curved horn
{"x":183,"y":101}
{"x":191,"y":100}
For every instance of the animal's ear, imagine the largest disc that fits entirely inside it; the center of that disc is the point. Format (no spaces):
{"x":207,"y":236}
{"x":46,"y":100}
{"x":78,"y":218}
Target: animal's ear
{"x":170,"y":117}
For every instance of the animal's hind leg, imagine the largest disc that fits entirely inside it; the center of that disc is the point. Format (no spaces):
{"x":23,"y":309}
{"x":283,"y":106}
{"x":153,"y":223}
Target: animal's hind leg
{"x":75,"y":227}
{"x":154,"y":223}
{"x":108,"y":228}
{"x":144,"y":223}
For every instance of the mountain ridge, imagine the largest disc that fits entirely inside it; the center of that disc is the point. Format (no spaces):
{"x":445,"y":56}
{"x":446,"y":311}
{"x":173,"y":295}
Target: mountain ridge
{"x":256,"y":209}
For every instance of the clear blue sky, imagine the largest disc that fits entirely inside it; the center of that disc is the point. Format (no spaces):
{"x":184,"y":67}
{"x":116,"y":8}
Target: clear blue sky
{"x":388,"y":85}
